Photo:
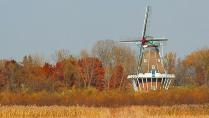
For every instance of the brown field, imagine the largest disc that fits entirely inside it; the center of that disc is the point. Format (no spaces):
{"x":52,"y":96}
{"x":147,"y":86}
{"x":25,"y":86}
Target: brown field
{"x":181,"y":111}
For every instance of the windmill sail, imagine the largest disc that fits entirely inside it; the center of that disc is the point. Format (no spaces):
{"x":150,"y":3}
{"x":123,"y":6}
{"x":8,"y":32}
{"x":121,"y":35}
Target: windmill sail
{"x":144,"y":28}
{"x":146,"y":21}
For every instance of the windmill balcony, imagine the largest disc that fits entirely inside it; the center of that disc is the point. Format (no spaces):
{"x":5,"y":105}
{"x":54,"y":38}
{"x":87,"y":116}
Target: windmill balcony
{"x":148,"y":81}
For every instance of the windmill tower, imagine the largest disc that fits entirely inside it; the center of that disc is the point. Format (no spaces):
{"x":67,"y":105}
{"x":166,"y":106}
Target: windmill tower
{"x":151,"y":73}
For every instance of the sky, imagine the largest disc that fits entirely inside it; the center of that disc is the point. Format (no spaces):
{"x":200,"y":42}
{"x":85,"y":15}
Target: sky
{"x":43,"y":26}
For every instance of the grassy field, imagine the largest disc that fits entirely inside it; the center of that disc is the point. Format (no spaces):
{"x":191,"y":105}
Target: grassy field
{"x":183,"y":111}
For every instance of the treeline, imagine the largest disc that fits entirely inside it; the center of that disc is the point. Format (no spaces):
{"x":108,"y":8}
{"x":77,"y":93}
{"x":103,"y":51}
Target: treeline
{"x":106,"y":68}
{"x":191,"y":71}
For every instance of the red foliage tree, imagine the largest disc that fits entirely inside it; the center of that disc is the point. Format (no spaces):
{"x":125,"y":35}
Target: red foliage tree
{"x":117,"y":77}
{"x":49,"y":70}
{"x":92,"y":72}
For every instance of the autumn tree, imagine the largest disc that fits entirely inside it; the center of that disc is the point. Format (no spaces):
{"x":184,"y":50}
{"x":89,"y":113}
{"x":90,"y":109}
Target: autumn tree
{"x":92,"y":72}
{"x":32,"y":60}
{"x":170,"y":62}
{"x":48,"y":70}
{"x":113,"y":53}
{"x":62,"y":54}
{"x":3,"y":81}
{"x":67,"y":71}
{"x":12,"y":72}
{"x":197,"y":64}
{"x":183,"y":76}
{"x":33,"y":75}
{"x":118,"y":78}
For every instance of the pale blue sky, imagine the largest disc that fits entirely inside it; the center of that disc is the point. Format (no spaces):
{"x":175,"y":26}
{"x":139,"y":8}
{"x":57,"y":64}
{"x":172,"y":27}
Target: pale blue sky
{"x":43,"y":26}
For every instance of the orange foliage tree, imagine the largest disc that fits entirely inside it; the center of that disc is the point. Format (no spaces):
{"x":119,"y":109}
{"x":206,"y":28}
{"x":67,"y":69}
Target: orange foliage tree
{"x":198,"y":62}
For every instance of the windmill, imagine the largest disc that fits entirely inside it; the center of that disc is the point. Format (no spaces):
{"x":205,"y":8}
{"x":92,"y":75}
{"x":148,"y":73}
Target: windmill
{"x":151,"y":74}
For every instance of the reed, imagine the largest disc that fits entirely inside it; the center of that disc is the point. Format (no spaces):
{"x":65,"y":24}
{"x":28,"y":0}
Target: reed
{"x":183,"y":111}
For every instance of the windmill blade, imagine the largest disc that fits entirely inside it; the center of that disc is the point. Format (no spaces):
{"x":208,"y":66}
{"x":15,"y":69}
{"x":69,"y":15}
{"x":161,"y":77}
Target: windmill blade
{"x":141,"y":55}
{"x":157,"y":39}
{"x":145,"y":21}
{"x":140,"y":58}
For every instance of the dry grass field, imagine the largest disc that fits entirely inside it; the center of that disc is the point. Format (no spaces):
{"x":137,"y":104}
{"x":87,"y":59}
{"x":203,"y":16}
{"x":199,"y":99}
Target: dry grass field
{"x":182,"y":111}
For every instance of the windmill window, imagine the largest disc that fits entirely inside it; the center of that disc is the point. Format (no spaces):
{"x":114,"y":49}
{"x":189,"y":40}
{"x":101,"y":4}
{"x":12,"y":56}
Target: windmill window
{"x":153,"y":66}
{"x":145,"y":60}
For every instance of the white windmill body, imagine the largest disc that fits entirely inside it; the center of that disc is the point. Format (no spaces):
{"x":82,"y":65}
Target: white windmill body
{"x":151,"y":74}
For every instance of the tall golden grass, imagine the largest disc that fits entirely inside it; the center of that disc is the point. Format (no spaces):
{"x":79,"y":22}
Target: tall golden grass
{"x":182,"y":111}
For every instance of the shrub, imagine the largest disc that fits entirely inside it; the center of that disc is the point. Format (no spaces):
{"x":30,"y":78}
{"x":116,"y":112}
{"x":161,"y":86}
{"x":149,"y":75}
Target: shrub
{"x":112,"y":98}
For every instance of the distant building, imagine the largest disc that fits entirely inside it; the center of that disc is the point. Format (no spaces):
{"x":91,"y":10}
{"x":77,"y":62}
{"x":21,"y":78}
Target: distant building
{"x":152,"y":74}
